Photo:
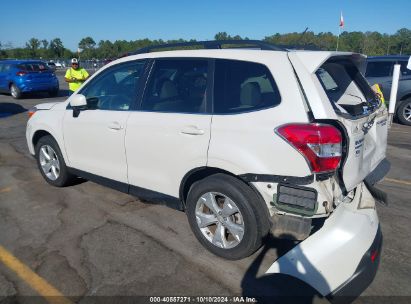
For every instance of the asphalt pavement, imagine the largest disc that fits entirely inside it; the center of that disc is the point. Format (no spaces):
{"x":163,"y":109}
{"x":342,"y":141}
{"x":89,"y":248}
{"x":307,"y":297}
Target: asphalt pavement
{"x":88,"y":240}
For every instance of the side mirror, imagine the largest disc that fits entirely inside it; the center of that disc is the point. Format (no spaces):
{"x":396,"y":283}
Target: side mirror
{"x":78,"y":102}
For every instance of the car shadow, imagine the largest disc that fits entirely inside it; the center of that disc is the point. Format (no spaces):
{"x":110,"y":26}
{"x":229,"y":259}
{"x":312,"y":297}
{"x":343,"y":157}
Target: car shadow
{"x":45,"y":95}
{"x":42,"y":95}
{"x":9,"y":109}
{"x":279,"y":287}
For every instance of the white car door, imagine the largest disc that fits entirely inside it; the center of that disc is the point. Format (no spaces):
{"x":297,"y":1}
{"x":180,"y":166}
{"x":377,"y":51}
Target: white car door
{"x":170,"y":133}
{"x":94,"y":141}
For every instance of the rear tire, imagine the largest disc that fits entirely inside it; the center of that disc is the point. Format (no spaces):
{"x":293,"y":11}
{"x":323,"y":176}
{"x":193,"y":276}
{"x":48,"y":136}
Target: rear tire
{"x":15,"y":92}
{"x":235,"y":215}
{"x":51,"y":163}
{"x":404,"y":112}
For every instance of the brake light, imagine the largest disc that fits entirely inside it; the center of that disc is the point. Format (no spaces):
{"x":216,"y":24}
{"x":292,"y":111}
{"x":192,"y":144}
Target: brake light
{"x":21,"y":73}
{"x":320,"y":144}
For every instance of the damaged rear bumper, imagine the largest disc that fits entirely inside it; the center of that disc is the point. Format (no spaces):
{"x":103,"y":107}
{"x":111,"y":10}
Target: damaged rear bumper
{"x":364,"y":274}
{"x":342,"y":257}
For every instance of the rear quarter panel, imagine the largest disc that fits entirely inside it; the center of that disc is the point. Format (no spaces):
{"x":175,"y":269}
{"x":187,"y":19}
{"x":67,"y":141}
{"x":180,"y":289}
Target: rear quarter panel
{"x":247,"y":143}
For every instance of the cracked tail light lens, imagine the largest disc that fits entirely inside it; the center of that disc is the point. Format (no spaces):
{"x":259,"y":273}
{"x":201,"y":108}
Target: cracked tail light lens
{"x":320,"y":144}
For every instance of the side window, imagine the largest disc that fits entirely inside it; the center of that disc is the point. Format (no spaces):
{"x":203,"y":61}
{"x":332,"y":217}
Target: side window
{"x":177,"y":85}
{"x":327,"y":81}
{"x":116,"y":88}
{"x":241,"y":86}
{"x":5,"y":67}
{"x":379,"y":69}
{"x":404,"y":70}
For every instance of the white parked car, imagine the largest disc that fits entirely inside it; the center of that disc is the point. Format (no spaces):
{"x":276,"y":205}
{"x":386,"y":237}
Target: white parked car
{"x":244,"y":141}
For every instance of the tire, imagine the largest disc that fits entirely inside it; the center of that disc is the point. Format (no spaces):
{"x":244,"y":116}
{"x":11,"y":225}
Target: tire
{"x":15,"y":92}
{"x":404,"y":112}
{"x":48,"y":155}
{"x":227,"y":191}
{"x":54,"y":93}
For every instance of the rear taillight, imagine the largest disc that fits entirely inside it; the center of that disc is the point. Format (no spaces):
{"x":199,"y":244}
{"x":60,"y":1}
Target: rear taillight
{"x":21,"y":73}
{"x":320,"y":144}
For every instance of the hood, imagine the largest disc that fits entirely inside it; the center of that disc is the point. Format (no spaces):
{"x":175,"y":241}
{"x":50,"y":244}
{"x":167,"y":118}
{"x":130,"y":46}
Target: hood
{"x":46,"y":106}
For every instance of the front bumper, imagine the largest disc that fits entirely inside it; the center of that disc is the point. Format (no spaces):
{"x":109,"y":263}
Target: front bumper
{"x":334,"y":259}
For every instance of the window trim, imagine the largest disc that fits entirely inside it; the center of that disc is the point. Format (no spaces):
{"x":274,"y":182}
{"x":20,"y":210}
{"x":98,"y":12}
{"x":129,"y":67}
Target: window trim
{"x":108,"y":70}
{"x":209,"y":88}
{"x":252,"y":110}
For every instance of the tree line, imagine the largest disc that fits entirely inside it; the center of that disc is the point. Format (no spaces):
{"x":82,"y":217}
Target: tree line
{"x":369,"y":43}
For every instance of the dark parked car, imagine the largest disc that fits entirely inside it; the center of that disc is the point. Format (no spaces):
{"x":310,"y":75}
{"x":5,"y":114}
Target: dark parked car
{"x":380,"y":69}
{"x":52,"y":65}
{"x":27,"y":76}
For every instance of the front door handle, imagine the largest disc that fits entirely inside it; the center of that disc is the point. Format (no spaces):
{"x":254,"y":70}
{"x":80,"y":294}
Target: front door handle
{"x":115,"y":125}
{"x":192,"y":130}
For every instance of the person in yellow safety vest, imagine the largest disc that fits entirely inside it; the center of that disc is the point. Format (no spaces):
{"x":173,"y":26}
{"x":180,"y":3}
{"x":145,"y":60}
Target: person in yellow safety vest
{"x":75,"y":76}
{"x":377,"y":90}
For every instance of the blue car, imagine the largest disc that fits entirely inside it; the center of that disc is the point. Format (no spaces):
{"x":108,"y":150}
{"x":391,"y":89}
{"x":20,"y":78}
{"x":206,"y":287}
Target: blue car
{"x":27,"y":76}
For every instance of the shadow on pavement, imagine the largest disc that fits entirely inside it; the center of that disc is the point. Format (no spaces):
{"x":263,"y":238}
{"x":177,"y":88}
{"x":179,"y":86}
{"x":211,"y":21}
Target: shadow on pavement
{"x":279,"y":288}
{"x":9,"y":109}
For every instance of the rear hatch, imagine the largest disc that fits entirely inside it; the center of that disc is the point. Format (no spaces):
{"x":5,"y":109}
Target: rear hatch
{"x":36,"y":72}
{"x":336,"y":92}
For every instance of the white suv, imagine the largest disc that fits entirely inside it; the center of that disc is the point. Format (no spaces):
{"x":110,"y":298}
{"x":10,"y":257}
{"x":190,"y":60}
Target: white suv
{"x":243,"y":140}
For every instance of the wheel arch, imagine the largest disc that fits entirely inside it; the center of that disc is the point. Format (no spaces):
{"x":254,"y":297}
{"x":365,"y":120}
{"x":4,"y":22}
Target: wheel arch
{"x":200,"y":173}
{"x":406,"y":96}
{"x":41,"y":133}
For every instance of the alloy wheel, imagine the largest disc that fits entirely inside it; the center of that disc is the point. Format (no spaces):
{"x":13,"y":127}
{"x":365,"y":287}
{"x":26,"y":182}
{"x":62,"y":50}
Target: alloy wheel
{"x":13,"y":91}
{"x":49,"y":162}
{"x":219,"y":220}
{"x":407,"y":112}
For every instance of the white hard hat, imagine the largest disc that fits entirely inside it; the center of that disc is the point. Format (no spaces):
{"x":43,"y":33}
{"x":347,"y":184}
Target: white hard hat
{"x":74,"y":60}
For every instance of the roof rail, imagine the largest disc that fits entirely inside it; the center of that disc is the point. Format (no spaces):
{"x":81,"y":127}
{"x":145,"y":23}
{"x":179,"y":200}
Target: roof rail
{"x":215,"y":44}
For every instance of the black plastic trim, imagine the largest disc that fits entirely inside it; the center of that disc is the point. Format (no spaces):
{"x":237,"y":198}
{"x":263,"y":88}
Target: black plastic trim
{"x":217,"y":44}
{"x":296,"y":209}
{"x":158,"y":197}
{"x":379,"y":172}
{"x":147,"y":195}
{"x":267,"y":178}
{"x":363,"y":275}
{"x":120,"y":186}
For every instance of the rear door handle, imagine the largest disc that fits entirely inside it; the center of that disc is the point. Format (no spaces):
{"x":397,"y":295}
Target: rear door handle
{"x":115,"y":125}
{"x":192,"y":130}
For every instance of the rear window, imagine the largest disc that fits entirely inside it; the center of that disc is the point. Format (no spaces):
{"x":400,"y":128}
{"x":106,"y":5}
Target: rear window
{"x":241,"y":86}
{"x":379,"y":69}
{"x":33,"y":67}
{"x":346,"y":88}
{"x":404,"y":70}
